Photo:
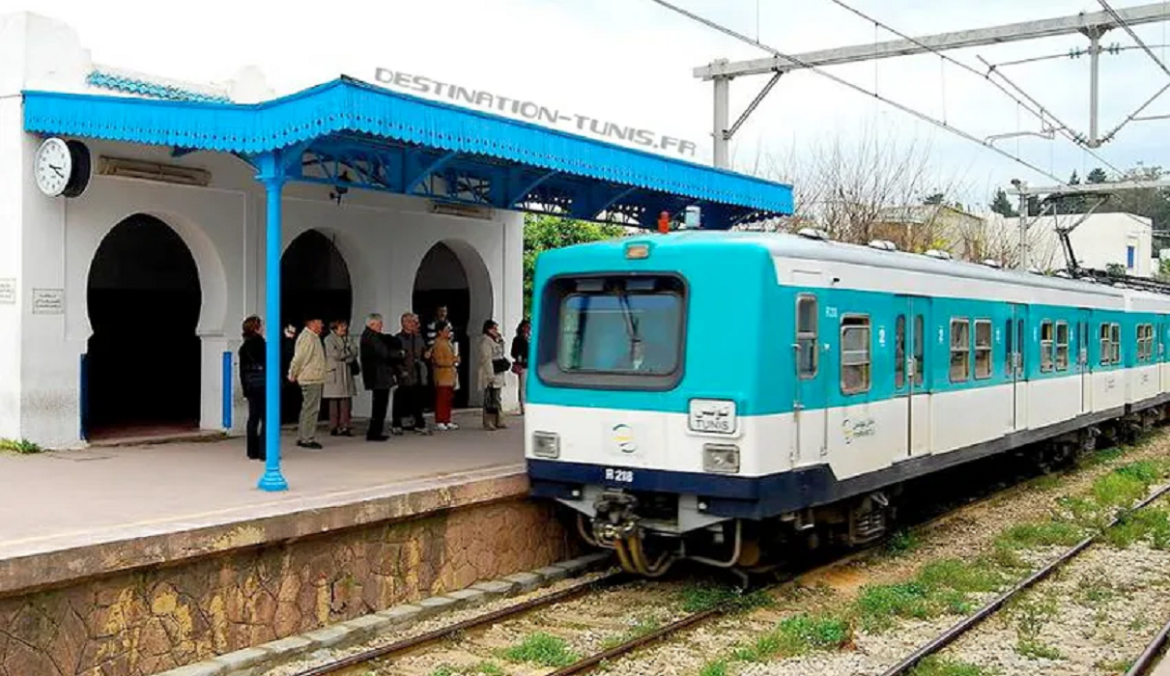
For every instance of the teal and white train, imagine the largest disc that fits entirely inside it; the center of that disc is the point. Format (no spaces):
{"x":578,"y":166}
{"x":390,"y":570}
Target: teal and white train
{"x":714,"y":396}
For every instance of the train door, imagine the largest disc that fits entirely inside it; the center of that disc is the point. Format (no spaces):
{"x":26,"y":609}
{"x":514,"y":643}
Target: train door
{"x":1163,"y":375}
{"x":1082,"y":357}
{"x":911,"y":382}
{"x":1016,"y":364}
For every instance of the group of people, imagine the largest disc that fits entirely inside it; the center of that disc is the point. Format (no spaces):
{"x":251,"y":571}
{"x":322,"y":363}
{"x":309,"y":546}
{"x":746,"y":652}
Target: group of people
{"x":412,"y":363}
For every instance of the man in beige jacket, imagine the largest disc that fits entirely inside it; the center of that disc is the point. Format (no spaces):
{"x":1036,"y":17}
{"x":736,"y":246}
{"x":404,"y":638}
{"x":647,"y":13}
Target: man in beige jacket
{"x":308,"y":371}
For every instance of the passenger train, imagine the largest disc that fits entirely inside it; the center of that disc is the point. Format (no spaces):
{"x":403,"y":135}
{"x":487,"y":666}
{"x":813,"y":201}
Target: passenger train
{"x":720,"y":396}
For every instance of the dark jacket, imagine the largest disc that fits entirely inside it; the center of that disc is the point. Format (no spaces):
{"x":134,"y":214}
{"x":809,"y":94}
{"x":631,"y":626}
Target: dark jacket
{"x":414,"y":366}
{"x":520,"y":351}
{"x":252,"y":359}
{"x":381,"y":356}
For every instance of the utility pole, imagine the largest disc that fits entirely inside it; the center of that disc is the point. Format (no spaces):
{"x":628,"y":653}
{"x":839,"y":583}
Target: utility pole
{"x":722,"y":119}
{"x":1023,"y":225}
{"x":1091,"y":24}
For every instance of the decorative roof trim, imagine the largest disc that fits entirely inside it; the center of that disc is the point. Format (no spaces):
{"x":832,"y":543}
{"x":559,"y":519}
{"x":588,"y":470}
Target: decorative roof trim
{"x":348,"y":106}
{"x":106,"y":78}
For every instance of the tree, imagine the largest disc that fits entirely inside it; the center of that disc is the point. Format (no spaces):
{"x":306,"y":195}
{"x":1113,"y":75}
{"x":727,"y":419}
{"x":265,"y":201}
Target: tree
{"x":544,"y":232}
{"x":1002,"y":205}
{"x":871,"y":187}
{"x":1097,"y":175}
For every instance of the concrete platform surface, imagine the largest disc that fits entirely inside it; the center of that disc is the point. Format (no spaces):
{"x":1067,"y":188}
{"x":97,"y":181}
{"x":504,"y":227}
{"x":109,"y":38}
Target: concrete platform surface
{"x":59,"y":501}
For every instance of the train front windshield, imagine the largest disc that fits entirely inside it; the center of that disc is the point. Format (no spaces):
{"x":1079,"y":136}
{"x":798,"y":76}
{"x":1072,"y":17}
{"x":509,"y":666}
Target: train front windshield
{"x":628,"y":328}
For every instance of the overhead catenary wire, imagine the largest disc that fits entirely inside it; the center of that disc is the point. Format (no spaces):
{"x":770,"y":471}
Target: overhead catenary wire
{"x":1040,"y":111}
{"x":1129,"y":29}
{"x":862,"y":90}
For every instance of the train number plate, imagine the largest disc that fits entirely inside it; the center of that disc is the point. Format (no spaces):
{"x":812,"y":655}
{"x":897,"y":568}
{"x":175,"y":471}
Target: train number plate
{"x":621,"y":476}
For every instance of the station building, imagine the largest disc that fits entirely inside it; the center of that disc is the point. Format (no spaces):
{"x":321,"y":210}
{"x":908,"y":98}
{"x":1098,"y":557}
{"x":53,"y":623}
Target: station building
{"x":121,"y":297}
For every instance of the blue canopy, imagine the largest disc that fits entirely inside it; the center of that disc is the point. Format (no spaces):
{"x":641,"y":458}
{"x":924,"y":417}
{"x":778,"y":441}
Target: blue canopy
{"x":355,"y":134}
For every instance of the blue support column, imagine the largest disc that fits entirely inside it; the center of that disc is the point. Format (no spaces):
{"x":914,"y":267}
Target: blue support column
{"x":272,"y":175}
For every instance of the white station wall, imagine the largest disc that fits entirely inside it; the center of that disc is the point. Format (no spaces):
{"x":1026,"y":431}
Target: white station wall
{"x":382,"y":237}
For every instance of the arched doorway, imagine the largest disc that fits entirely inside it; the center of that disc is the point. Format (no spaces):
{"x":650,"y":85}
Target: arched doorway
{"x":443,"y":279}
{"x":314,"y":284}
{"x":143,"y":358}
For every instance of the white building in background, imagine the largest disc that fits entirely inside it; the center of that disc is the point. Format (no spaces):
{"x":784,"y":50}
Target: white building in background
{"x":1100,"y":241}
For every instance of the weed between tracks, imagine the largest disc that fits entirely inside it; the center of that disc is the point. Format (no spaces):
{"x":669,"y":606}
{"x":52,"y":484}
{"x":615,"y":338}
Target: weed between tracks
{"x":543,"y":649}
{"x":952,"y":586}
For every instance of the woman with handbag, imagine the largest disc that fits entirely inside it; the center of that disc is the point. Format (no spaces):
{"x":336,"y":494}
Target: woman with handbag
{"x":341,"y":359}
{"x":252,"y":359}
{"x":492,"y":367}
{"x":520,"y":359}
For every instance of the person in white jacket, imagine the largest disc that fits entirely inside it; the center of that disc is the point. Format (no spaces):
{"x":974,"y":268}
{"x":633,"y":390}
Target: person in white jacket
{"x":308,"y":370}
{"x":492,"y":367}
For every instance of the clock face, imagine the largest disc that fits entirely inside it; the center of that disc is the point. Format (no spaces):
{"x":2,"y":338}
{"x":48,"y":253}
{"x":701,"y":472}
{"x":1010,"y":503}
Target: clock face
{"x":53,"y":166}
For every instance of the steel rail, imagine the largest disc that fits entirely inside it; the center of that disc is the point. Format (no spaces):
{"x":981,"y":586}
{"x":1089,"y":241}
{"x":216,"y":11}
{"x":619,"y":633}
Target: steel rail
{"x":1145,"y":663}
{"x":421,"y":640}
{"x":966,"y":624}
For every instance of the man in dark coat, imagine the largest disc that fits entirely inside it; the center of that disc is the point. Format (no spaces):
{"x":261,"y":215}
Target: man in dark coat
{"x":380,"y":355}
{"x":412,"y":377}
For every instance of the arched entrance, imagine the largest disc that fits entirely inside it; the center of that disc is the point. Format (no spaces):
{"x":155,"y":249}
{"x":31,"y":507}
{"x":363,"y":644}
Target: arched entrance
{"x":452,"y":274}
{"x":143,"y":357}
{"x":314,"y":284}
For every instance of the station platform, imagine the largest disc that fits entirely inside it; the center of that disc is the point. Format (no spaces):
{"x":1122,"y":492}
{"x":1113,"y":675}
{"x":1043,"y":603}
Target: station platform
{"x":148,"y":557}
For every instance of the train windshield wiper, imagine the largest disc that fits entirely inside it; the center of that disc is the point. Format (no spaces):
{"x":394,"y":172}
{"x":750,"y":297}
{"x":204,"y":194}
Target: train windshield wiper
{"x":631,"y":323}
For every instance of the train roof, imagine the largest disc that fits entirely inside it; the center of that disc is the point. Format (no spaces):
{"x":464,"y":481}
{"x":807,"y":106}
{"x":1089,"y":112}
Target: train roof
{"x":783,"y":245}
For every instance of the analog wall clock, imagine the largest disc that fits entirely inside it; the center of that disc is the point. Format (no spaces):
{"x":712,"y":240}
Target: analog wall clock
{"x":61,"y":167}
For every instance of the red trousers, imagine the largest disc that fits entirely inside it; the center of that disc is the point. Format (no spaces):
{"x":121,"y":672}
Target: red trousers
{"x":444,"y":398}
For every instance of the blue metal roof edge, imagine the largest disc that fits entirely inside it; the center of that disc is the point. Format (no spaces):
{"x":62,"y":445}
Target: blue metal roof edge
{"x":98,"y":78}
{"x":344,"y":104}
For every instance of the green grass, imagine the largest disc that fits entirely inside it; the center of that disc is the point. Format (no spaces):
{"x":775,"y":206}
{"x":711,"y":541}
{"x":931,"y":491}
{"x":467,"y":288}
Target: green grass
{"x":902,"y":542}
{"x":1151,"y":523}
{"x":1095,"y":590}
{"x":1038,"y":651}
{"x":699,"y":597}
{"x":939,"y":587}
{"x":20,"y":446}
{"x":543,"y":649}
{"x":1048,"y":534}
{"x":715,"y":668}
{"x":939,"y":666}
{"x":797,"y":635}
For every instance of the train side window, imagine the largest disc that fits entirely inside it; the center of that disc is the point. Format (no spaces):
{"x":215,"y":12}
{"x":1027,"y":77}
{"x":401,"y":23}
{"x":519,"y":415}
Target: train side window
{"x":960,"y":349}
{"x":1106,"y":348}
{"x":855,"y":355}
{"x":1145,"y":342}
{"x":1115,"y":342}
{"x":919,"y":348}
{"x":900,"y":352}
{"x":1045,"y":346}
{"x":1009,"y":361}
{"x":1061,"y":346}
{"x":982,"y":348}
{"x":806,"y":335}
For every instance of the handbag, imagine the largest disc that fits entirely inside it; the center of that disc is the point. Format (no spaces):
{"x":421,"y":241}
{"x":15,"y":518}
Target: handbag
{"x":500,"y":365}
{"x":355,"y":368}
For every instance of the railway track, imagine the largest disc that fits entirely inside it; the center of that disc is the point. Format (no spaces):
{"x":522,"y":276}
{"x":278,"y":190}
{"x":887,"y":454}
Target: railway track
{"x":957,"y":630}
{"x":398,"y":649}
{"x":1148,"y":660}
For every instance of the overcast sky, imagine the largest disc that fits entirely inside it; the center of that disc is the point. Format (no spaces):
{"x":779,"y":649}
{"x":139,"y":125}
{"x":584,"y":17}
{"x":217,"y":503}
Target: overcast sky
{"x":631,"y":61}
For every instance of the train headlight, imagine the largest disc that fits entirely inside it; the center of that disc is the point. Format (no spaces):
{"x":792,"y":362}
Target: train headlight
{"x":546,"y":445}
{"x":712,"y":416}
{"x":721,"y":458}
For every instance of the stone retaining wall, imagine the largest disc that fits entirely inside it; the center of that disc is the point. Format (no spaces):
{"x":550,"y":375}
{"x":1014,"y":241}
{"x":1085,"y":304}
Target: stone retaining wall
{"x":149,"y":619}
